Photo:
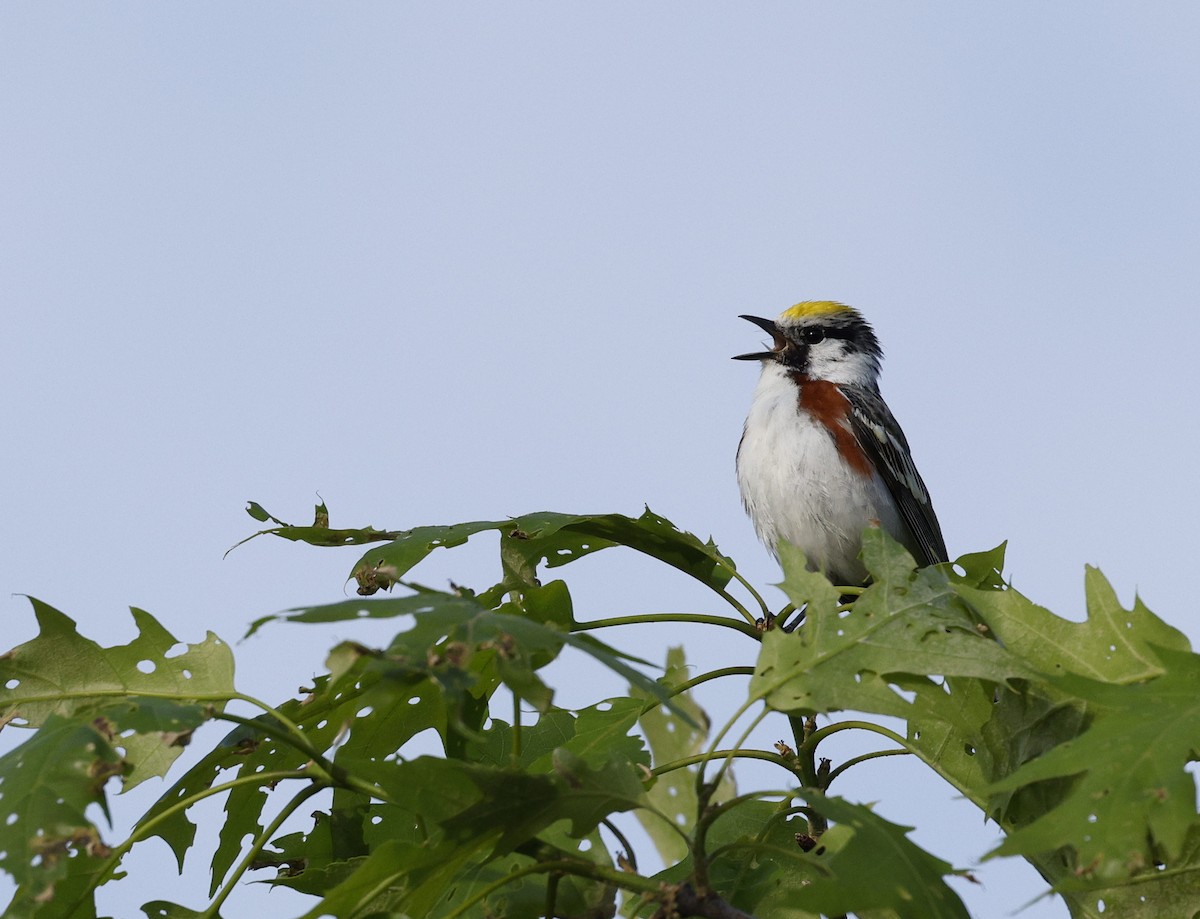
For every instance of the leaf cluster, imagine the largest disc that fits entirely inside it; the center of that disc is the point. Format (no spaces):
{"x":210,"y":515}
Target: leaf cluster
{"x":447,"y":783}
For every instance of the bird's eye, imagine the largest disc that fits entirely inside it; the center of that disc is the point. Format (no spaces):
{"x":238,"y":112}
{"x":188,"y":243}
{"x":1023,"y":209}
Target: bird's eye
{"x":813,"y":336}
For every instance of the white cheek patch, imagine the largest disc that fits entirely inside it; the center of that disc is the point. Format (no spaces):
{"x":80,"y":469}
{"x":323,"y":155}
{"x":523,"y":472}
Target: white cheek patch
{"x":837,"y":361}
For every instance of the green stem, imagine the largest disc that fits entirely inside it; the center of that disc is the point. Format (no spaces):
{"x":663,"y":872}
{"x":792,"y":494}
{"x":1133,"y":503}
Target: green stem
{"x":734,"y":753}
{"x":817,"y":736}
{"x":854,"y":761}
{"x":696,"y":618}
{"x":290,"y":727}
{"x":706,"y":789}
{"x":552,"y":894}
{"x":806,"y":759}
{"x":630,"y":855}
{"x":264,"y":837}
{"x":300,"y":743}
{"x":697,"y":680}
{"x":750,"y":618}
{"x":274,"y":712}
{"x":741,"y":579}
{"x":516,"y":744}
{"x":671,"y":824}
{"x":142,"y":830}
{"x":700,"y":858}
{"x":738,"y":744}
{"x":333,"y":773}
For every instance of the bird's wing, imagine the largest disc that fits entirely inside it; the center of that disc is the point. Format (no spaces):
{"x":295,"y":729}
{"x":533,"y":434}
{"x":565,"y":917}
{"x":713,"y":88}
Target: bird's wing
{"x":880,"y":437}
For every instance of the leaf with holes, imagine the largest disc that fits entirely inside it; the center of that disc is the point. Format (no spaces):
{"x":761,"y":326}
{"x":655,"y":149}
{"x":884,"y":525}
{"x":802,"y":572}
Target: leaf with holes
{"x":595,"y":734}
{"x":46,"y":785}
{"x":429,"y":601}
{"x":1132,"y":802}
{"x":397,"y":879}
{"x":557,"y":539}
{"x":60,"y":672}
{"x":602,"y":733}
{"x":876,"y":655}
{"x":521,"y":805}
{"x":867,"y":863}
{"x":1112,"y":645}
{"x":449,"y":629}
{"x":553,"y":539}
{"x":1152,"y":895}
{"x":673,"y":738}
{"x":383,"y":567}
{"x":319,"y":534}
{"x":764,"y":860}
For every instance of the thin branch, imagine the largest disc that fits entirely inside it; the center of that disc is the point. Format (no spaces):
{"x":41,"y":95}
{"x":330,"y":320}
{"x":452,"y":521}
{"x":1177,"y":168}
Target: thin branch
{"x":697,"y":680}
{"x":142,"y":830}
{"x":817,"y":736}
{"x":733,"y":752}
{"x":263,"y":838}
{"x":630,"y":855}
{"x":696,"y":618}
{"x":741,"y":579}
{"x":854,"y":761}
{"x":516,"y":730}
{"x":552,"y":895}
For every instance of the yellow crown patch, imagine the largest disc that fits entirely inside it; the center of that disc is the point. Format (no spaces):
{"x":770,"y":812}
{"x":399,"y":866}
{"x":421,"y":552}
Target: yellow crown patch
{"x":812,"y":308}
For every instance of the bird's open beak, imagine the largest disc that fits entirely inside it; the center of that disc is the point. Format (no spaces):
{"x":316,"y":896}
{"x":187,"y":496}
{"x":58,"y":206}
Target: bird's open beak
{"x":770,"y":328}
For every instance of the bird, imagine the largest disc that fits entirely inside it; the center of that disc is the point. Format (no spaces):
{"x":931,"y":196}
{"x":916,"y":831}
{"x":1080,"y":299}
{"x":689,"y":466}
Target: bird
{"x":821,"y":456}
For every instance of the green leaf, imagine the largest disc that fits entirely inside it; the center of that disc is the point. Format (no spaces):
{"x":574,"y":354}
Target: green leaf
{"x":1113,"y":644}
{"x":263,"y":748}
{"x":557,"y":539}
{"x":103,"y":712}
{"x":60,"y":671}
{"x":430,"y":601}
{"x":980,"y":569}
{"x":162,"y":909}
{"x":602,"y":733}
{"x":862,"y":864}
{"x":867,"y":657}
{"x":46,"y":785}
{"x":870,"y":863}
{"x":319,"y":534}
{"x":435,"y":880}
{"x":596,"y":734}
{"x":525,"y":897}
{"x":553,"y":539}
{"x":259,"y":513}
{"x":380,"y":568}
{"x":1151,"y":895}
{"x":395,"y":868}
{"x":521,"y":805}
{"x":673,"y":738}
{"x":1133,"y":802}
{"x":449,"y":628}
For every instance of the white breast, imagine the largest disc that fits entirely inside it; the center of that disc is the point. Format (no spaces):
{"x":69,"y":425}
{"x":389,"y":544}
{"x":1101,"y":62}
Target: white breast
{"x":797,"y":488}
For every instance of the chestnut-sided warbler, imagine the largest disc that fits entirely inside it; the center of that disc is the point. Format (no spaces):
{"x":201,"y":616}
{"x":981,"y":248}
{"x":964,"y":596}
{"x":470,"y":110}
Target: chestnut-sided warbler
{"x":821,"y":456}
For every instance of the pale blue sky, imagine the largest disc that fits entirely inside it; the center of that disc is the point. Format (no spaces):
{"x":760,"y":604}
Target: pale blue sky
{"x":455,"y":261}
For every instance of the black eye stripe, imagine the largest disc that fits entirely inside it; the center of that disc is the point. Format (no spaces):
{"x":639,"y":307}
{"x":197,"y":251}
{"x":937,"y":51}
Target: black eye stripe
{"x":817,"y":334}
